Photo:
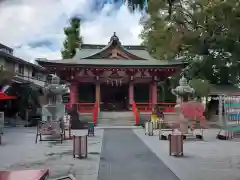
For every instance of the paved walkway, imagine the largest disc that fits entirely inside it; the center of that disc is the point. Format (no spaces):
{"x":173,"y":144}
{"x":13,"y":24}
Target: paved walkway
{"x":211,"y":159}
{"x":125,"y":156}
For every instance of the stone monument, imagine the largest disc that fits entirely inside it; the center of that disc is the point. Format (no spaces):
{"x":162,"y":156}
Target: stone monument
{"x":55,"y":109}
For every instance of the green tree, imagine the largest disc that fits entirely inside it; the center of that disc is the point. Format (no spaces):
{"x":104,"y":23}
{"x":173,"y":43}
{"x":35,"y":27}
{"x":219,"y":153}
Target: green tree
{"x":202,"y":87}
{"x":204,"y":32}
{"x":73,"y":39}
{"x":143,"y":4}
{"x":136,"y":4}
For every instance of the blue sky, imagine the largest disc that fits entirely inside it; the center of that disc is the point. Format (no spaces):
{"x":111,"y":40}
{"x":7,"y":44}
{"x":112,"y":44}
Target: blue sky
{"x":35,"y":28}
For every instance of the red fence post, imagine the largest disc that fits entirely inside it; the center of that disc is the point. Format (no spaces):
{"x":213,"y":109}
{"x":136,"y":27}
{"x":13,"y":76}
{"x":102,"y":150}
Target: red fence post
{"x":135,"y":113}
{"x":95,"y":113}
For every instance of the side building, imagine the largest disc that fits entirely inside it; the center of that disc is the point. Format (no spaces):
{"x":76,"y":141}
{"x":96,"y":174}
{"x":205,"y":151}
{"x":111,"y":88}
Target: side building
{"x":23,"y":71}
{"x":24,"y":80}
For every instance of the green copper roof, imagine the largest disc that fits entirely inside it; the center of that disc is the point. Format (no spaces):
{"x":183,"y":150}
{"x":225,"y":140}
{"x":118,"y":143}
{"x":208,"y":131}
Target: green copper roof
{"x":89,"y":55}
{"x":85,"y":53}
{"x":96,"y":51}
{"x":112,"y":62}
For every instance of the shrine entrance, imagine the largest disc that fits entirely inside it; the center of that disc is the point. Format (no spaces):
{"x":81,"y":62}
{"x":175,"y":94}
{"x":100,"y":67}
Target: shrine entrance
{"x":114,"y":98}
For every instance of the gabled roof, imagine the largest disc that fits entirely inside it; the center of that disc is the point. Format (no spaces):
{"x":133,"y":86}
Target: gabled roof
{"x":113,"y":43}
{"x":98,"y":55}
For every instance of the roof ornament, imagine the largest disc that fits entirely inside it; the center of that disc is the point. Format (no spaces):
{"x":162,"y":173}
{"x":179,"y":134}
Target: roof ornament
{"x":114,"y":39}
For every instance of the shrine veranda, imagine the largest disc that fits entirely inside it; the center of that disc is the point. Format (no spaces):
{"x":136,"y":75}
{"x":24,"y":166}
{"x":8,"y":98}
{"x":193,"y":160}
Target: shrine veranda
{"x":113,"y":75}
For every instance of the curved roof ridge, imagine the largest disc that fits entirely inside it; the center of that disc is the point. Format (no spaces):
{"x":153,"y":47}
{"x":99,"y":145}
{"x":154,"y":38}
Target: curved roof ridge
{"x":137,"y":57}
{"x":113,"y":40}
{"x":97,"y":52}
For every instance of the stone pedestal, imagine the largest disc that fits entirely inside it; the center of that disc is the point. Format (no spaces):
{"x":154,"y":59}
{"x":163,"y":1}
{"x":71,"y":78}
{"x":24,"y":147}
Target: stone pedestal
{"x":183,"y":124}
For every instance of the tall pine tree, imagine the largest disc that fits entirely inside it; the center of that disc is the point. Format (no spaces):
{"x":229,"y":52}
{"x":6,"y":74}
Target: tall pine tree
{"x":73,"y":39}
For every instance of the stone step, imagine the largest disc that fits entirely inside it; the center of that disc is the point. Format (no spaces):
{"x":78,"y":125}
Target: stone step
{"x":117,"y":121}
{"x":117,"y":127}
{"x":117,"y":115}
{"x":120,"y":122}
{"x":117,"y":124}
{"x":13,"y":123}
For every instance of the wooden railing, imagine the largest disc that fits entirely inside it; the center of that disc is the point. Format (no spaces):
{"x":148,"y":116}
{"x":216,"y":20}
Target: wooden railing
{"x":95,"y":113}
{"x":147,"y":107}
{"x":87,"y":108}
{"x":135,"y":113}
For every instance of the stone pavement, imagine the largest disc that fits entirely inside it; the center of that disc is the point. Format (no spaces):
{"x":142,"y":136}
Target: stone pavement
{"x":125,"y":157}
{"x":19,"y":151}
{"x":211,"y":159}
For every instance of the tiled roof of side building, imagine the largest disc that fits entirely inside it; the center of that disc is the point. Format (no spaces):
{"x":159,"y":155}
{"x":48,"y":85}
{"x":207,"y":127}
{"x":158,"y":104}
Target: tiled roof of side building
{"x":15,"y":59}
{"x":224,"y":89}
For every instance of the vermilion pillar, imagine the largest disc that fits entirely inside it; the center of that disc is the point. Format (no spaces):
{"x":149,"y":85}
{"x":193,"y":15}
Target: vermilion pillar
{"x":98,"y":91}
{"x":131,"y":93}
{"x":150,"y":93}
{"x":154,"y":93}
{"x":73,"y":94}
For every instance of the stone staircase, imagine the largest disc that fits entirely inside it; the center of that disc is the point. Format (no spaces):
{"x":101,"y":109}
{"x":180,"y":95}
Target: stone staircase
{"x":12,"y":122}
{"x":116,"y":118}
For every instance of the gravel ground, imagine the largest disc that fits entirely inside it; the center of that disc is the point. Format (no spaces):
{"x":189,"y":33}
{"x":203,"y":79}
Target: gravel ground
{"x":19,"y":151}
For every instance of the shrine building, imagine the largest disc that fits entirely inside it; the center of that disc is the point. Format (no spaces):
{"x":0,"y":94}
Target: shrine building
{"x":113,"y":75}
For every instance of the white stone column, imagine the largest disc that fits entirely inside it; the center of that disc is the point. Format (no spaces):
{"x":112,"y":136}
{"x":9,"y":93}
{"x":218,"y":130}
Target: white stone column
{"x":220,"y":108}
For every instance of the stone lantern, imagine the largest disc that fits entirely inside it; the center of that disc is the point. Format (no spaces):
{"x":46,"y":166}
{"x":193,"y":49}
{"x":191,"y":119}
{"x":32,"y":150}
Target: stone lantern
{"x":183,"y":92}
{"x":55,"y":109}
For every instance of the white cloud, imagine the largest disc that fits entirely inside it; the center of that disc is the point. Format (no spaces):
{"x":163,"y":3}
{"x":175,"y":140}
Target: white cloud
{"x":26,"y":21}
